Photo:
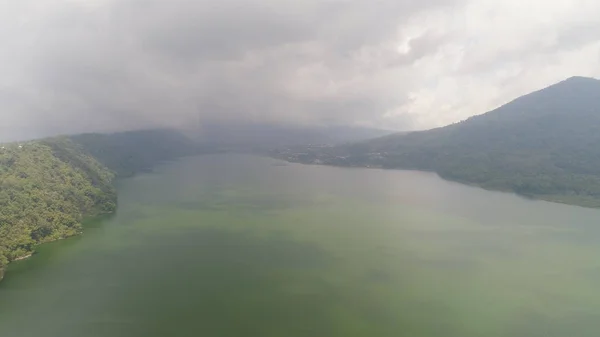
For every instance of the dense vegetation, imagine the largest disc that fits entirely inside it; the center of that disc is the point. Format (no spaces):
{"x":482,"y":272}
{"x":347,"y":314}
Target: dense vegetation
{"x":46,"y":188}
{"x":543,"y":145}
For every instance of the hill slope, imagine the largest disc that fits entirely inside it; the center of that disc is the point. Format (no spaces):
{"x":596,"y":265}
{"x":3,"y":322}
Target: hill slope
{"x":46,"y":188}
{"x":544,"y":145}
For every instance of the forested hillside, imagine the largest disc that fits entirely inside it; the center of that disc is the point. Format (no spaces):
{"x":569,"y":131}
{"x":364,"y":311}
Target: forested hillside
{"x":544,"y":145}
{"x":46,"y":188}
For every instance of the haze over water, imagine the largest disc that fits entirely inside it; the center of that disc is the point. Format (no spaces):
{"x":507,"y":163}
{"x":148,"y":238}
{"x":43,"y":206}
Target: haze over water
{"x":247,"y":246}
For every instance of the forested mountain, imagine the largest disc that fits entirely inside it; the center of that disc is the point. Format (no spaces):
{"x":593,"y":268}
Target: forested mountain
{"x":48,"y":186}
{"x":544,"y":145}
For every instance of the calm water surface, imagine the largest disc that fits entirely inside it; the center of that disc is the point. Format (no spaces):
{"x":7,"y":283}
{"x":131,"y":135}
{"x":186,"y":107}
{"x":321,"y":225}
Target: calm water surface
{"x":229,"y":246}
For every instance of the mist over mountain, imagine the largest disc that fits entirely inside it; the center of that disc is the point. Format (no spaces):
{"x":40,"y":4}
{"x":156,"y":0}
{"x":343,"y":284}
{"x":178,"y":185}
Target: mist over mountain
{"x":267,"y":136}
{"x":545,"y":144}
{"x":76,"y":66}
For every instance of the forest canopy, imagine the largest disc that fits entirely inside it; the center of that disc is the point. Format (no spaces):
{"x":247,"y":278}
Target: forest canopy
{"x":46,"y":189}
{"x":48,"y":186}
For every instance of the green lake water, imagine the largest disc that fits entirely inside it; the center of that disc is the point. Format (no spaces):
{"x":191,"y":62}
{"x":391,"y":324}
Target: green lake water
{"x":232,"y":246}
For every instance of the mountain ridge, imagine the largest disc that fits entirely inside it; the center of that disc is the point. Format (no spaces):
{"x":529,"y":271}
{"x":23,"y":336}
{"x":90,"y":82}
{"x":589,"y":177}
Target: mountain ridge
{"x":544,"y":145}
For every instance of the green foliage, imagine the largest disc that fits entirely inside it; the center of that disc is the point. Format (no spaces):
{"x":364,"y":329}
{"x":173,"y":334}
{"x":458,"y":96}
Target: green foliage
{"x":46,"y":188}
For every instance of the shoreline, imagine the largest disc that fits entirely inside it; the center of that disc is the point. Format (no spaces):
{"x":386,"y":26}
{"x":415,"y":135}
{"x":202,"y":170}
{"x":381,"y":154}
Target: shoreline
{"x":88,"y":219}
{"x":559,"y":199}
{"x":24,"y":257}
{"x":30,"y":254}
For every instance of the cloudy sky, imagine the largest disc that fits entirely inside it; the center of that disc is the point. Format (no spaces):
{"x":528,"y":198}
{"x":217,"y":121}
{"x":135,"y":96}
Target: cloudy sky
{"x":82,"y":65}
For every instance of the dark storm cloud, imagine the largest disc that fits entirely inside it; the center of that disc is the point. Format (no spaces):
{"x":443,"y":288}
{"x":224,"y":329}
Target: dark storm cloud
{"x":80,"y":65}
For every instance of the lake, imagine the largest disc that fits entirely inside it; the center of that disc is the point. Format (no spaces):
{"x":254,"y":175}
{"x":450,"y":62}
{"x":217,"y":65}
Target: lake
{"x":234,"y":245}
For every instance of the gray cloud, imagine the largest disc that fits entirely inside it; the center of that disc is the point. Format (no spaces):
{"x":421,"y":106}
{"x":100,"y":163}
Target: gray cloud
{"x":75,"y":65}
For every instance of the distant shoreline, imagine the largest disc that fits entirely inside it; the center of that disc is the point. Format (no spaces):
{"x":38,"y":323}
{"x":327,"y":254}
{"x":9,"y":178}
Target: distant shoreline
{"x":579,"y":201}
